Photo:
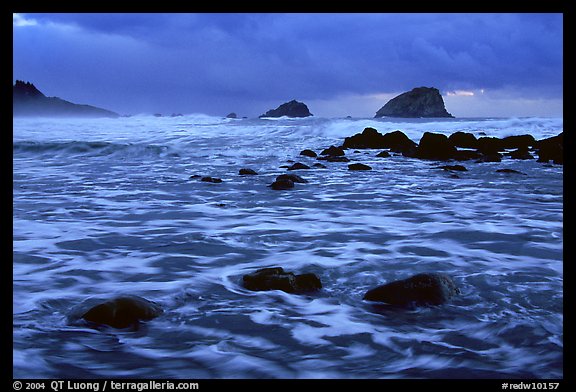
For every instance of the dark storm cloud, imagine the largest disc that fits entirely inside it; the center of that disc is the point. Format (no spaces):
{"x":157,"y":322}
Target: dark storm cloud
{"x":213,"y":60}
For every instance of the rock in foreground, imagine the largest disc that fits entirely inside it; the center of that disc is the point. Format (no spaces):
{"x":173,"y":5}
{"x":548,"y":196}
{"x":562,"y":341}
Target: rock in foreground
{"x":123,"y":312}
{"x":289,"y":109}
{"x":418,"y":290}
{"x":275,"y":278}
{"x":419,"y":102}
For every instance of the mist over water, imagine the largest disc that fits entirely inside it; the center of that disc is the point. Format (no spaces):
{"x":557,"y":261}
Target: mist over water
{"x":107,"y":207}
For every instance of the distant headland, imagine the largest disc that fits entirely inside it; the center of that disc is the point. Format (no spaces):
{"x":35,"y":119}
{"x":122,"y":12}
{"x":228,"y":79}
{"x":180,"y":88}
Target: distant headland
{"x":27,"y":100}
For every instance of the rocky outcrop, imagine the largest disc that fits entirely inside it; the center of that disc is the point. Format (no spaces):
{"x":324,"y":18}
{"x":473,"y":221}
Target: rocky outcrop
{"x":419,"y":102}
{"x":418,"y":290}
{"x":122,"y":312}
{"x":27,"y":100}
{"x":232,"y":115}
{"x":289,"y":109}
{"x":275,"y":278}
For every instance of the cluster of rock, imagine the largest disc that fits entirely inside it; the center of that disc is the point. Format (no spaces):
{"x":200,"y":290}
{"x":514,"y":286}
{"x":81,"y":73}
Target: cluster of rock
{"x":420,"y":290}
{"x":460,"y":146}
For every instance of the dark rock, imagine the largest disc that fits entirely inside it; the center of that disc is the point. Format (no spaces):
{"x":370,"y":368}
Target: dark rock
{"x":299,"y":166}
{"x":371,"y":138}
{"x":435,"y":146}
{"x":463,"y":139}
{"x":465,"y":155}
{"x":330,"y":158}
{"x":419,"y":102}
{"x":383,"y":154}
{"x":308,"y":153}
{"x":176,"y":115}
{"x":453,"y":168}
{"x":211,"y":179}
{"x":333,"y":151}
{"x":489,"y":145}
{"x":510,"y":171}
{"x":27,"y":100}
{"x":247,"y":172}
{"x":276,"y":278}
{"x":157,"y":114}
{"x":491,"y":157}
{"x":232,"y":115}
{"x":521,"y":153}
{"x":195,"y":176}
{"x":292,"y":177}
{"x":518,"y":141}
{"x":319,"y":166}
{"x":282,"y":184}
{"x":123,"y":312}
{"x":418,"y":290}
{"x":551,"y":149}
{"x":289,"y":109}
{"x":358,"y":166}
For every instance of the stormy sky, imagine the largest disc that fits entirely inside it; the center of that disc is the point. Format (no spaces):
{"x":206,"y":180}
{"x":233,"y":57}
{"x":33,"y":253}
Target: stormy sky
{"x":338,"y":64}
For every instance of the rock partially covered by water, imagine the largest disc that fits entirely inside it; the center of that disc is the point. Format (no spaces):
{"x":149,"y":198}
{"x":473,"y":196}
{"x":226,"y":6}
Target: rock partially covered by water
{"x":358,"y":166}
{"x":289,"y":109}
{"x":308,"y":153}
{"x":418,"y":290}
{"x":123,"y":312}
{"x":275,"y":278}
{"x":419,"y":102}
{"x":333,"y":151}
{"x":232,"y":115}
{"x":247,"y":172}
{"x":463,"y":139}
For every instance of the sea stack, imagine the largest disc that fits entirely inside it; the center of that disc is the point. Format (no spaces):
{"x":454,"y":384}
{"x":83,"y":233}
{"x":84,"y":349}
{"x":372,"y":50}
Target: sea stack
{"x":417,"y":103}
{"x":289,"y":109}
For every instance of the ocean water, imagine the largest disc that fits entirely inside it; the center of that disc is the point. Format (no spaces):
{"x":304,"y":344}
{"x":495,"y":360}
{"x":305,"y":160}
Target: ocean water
{"x":106,"y":207}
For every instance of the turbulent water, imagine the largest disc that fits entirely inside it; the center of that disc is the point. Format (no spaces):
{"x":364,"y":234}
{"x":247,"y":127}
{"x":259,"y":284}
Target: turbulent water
{"x":107,"y":207}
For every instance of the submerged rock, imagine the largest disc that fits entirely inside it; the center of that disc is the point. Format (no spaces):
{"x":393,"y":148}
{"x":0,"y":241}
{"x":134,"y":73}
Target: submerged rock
{"x":211,"y":179}
{"x":453,"y":168}
{"x":418,"y":290}
{"x":247,"y":172}
{"x":330,"y":158}
{"x":299,"y":166}
{"x":358,"y":166}
{"x":510,"y":171}
{"x":282,"y":184}
{"x":292,"y":177}
{"x":275,"y":278}
{"x":419,"y":102}
{"x":123,"y":312}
